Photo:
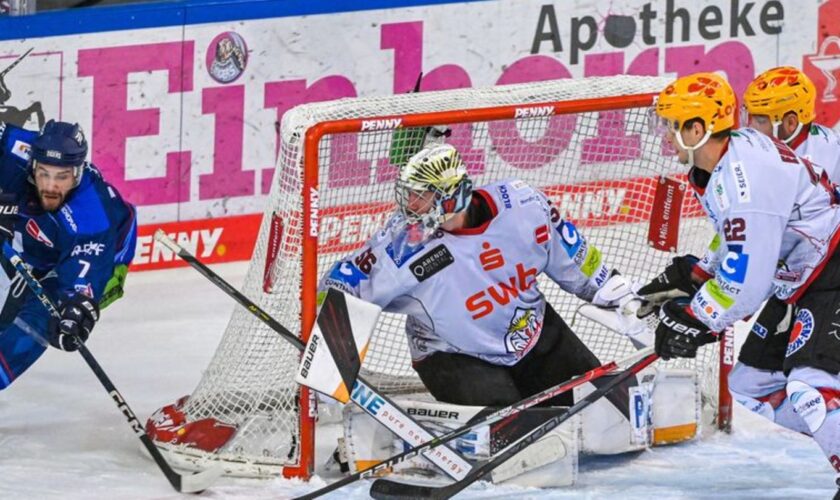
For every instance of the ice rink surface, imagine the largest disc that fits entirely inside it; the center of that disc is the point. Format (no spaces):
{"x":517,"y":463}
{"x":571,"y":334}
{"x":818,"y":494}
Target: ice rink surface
{"x":61,"y":436}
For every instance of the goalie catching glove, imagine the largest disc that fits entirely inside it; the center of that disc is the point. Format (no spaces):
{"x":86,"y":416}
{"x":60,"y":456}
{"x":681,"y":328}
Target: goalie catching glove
{"x":679,"y":333}
{"x":79,"y":314}
{"x":681,"y":278}
{"x":615,"y":305}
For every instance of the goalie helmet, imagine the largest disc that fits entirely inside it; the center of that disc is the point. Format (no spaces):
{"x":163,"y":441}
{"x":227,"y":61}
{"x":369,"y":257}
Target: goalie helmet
{"x":433,"y":186}
{"x":706,"y":96}
{"x":779,"y":91}
{"x":60,"y":144}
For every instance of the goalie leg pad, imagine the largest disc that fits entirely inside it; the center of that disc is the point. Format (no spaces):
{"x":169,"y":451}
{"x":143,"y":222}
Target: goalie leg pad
{"x":619,"y":422}
{"x":676,"y":407}
{"x":662,"y":407}
{"x":550,"y":462}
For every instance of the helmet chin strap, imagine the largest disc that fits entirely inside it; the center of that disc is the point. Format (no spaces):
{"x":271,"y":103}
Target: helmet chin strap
{"x":691,"y":149}
{"x":792,"y":135}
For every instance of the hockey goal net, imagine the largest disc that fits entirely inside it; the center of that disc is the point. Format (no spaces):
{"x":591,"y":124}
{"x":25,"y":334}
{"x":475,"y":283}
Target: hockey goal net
{"x":586,"y":143}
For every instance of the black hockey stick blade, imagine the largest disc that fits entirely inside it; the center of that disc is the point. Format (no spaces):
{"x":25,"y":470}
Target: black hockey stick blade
{"x":383,"y":489}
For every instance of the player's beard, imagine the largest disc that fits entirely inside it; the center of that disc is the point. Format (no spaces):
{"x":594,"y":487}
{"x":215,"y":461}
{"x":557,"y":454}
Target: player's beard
{"x":50,"y":200}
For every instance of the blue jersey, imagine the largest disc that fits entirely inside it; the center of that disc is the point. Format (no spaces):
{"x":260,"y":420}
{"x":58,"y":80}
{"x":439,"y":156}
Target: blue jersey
{"x":74,"y":249}
{"x":93,"y":231}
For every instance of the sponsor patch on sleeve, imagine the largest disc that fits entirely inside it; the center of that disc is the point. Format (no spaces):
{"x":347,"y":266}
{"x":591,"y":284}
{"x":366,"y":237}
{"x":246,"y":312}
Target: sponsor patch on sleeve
{"x":21,"y":150}
{"x":734,"y":265}
{"x":704,"y":305}
{"x":742,"y":183}
{"x":592,"y":262}
{"x":400,"y":258}
{"x":569,"y":238}
{"x":345,"y":276}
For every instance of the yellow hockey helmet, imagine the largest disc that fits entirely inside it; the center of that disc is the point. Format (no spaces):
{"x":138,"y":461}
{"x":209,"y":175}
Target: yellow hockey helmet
{"x":779,"y":91}
{"x":702,"y":95}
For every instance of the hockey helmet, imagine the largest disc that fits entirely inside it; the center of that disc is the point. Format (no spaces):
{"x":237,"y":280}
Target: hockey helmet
{"x":702,"y":95}
{"x":60,"y":144}
{"x":433,"y":186}
{"x":779,"y":91}
{"x":706,"y":96}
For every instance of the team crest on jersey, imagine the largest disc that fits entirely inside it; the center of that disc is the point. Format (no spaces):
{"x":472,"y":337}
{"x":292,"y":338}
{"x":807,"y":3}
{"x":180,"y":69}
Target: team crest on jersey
{"x":35,"y":231}
{"x":803,"y":327}
{"x":524,"y":328}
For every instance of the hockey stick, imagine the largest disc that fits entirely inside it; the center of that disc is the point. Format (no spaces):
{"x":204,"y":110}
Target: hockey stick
{"x":387,"y":489}
{"x":488,"y":419}
{"x":193,"y":483}
{"x":406,"y":428}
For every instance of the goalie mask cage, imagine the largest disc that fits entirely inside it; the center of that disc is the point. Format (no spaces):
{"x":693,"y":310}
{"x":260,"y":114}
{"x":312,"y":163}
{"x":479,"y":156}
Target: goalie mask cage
{"x":586,"y":143}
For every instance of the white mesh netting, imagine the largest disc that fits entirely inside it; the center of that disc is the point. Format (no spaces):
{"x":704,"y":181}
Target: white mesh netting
{"x":600,"y":168}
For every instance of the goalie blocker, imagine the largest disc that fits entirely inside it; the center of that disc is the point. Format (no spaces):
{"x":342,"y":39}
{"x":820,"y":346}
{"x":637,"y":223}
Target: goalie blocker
{"x":659,"y":406}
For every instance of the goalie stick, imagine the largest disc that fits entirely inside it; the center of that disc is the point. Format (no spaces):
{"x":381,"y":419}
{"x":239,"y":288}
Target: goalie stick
{"x":387,"y":489}
{"x":478,"y":421}
{"x":407,"y":429}
{"x":192,"y":483}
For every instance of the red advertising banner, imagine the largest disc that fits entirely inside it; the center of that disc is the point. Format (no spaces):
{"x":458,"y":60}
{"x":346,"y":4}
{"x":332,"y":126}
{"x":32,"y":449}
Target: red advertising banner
{"x":224,"y":239}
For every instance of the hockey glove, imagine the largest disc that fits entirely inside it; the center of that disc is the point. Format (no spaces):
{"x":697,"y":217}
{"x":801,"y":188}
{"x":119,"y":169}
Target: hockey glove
{"x":679,"y":333}
{"x":675,"y":281}
{"x":79,"y":314}
{"x":8,"y":216}
{"x":615,"y":292}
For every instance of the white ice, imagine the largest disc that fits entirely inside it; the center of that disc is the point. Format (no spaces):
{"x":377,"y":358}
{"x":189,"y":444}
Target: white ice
{"x":62,"y":437}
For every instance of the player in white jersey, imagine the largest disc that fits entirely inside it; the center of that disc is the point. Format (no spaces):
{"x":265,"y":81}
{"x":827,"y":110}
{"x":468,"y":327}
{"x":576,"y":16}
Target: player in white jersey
{"x":780,"y":103}
{"x":462,"y":264}
{"x":777,"y":221}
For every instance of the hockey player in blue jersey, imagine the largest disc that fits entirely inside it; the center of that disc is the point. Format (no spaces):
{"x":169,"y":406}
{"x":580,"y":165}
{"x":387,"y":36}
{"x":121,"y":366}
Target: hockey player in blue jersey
{"x":73,"y":229}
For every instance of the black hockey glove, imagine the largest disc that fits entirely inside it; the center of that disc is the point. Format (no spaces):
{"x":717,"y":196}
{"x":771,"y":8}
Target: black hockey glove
{"x":8,"y":216}
{"x":679,"y":334}
{"x":675,"y":281}
{"x":79,"y":314}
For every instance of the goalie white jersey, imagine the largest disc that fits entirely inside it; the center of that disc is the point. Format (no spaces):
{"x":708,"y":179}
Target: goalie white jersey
{"x":776,"y":220}
{"x":474,"y":291}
